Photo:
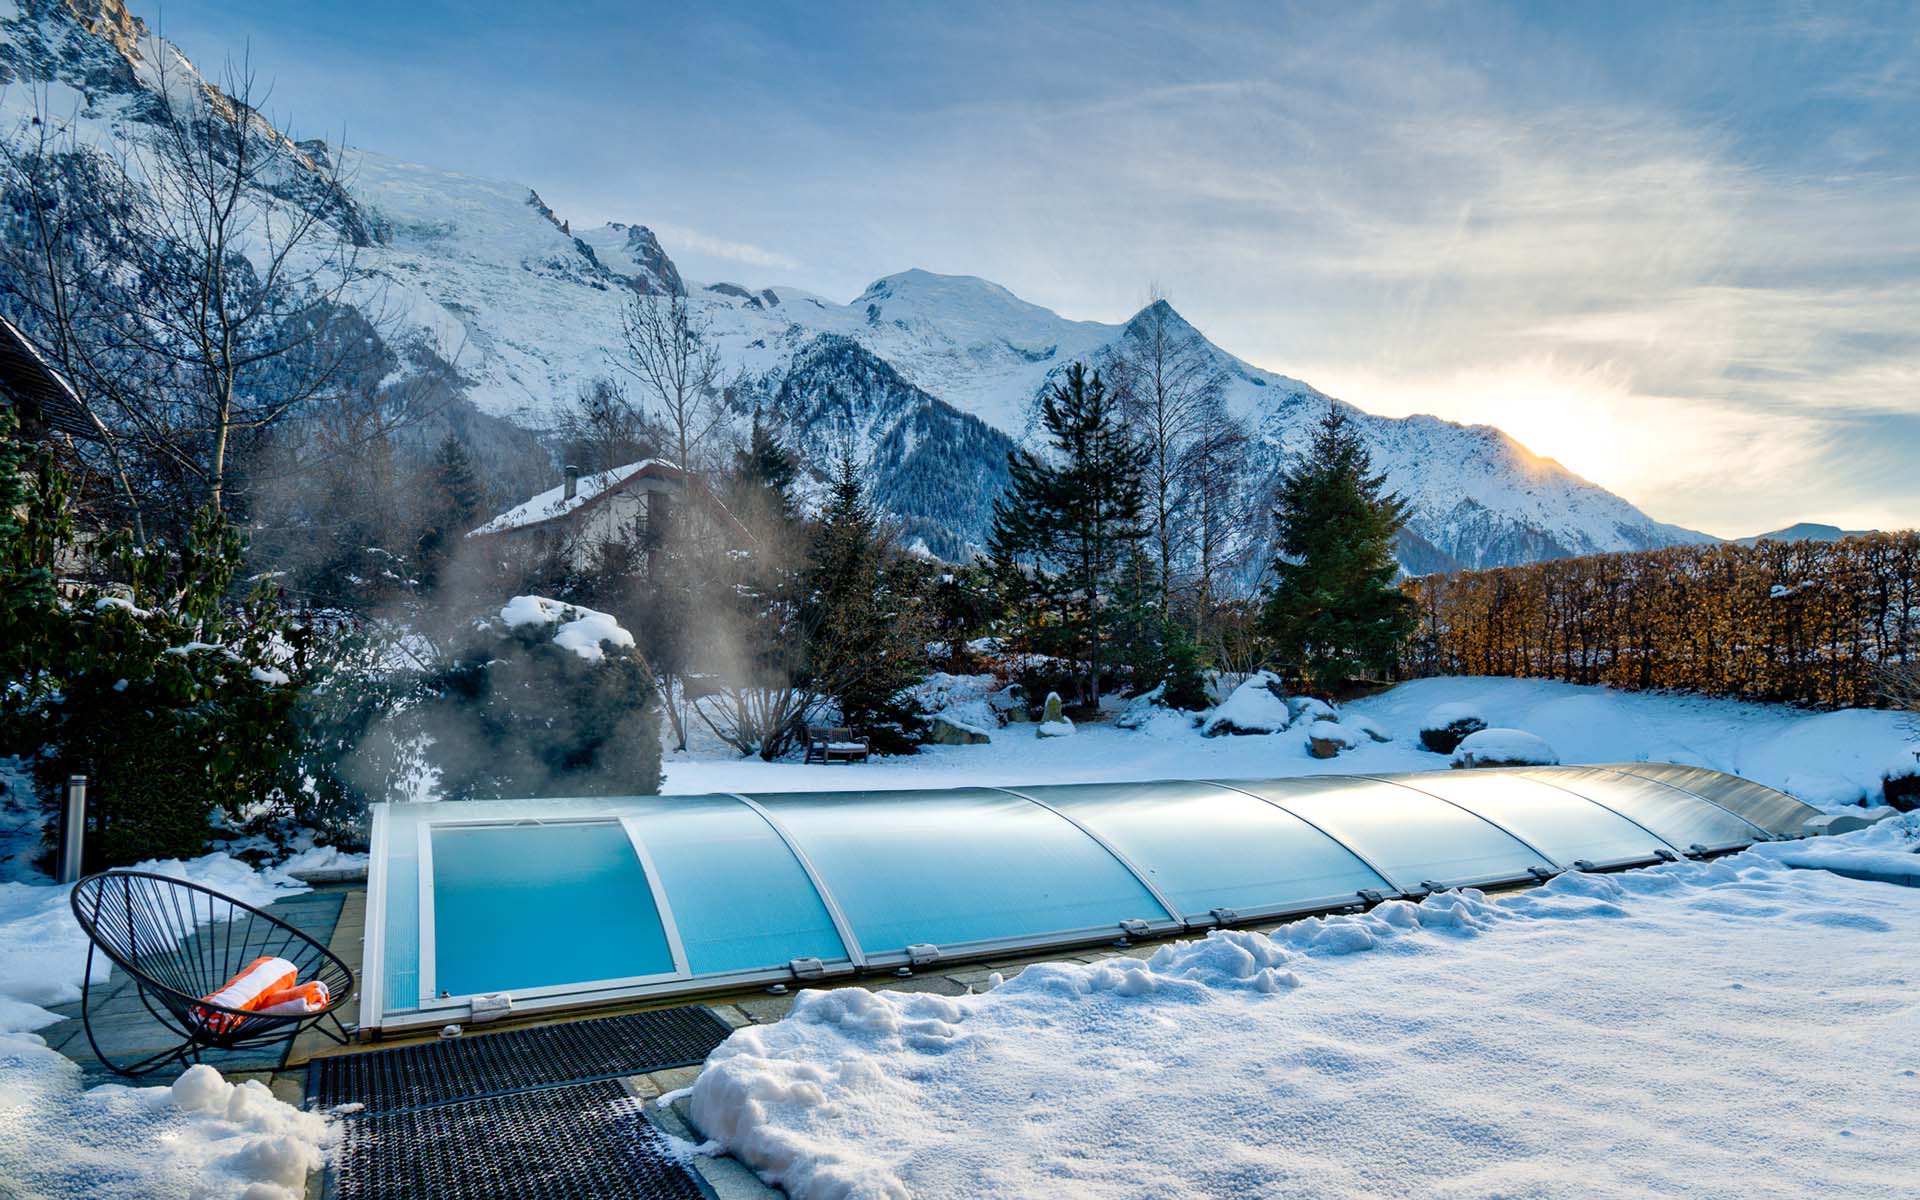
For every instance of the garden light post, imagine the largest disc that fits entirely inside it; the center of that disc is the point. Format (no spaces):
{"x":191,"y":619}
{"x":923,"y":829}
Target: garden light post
{"x":73,"y":828}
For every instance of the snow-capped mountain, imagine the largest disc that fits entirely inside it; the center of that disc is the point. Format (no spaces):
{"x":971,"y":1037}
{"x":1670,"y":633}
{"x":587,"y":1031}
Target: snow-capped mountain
{"x":930,"y":378}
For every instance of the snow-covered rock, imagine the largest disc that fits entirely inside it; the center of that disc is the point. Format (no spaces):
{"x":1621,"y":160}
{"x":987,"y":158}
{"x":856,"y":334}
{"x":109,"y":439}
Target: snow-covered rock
{"x":1326,"y":739}
{"x":945,"y":729}
{"x":1446,"y":725}
{"x":1053,"y":721}
{"x":1310,"y":708}
{"x":1504,"y":748}
{"x":1362,"y":723}
{"x":1256,"y":706}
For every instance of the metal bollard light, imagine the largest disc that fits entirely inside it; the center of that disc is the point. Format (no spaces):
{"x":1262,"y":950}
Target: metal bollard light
{"x":73,"y":828}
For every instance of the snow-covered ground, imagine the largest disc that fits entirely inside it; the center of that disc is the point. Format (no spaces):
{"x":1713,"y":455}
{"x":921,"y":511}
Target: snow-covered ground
{"x":1827,"y":759}
{"x":200,"y":1137}
{"x":1736,"y":1028}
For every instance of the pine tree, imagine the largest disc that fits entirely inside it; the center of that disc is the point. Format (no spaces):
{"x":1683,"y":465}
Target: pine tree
{"x":1333,"y":609}
{"x":453,"y":501}
{"x":865,"y":628}
{"x":1075,"y":520}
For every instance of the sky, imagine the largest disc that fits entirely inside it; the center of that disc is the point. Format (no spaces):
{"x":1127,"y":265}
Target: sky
{"x":1674,"y":246}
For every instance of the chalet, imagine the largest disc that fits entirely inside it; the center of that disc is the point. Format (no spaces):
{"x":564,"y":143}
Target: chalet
{"x":636,"y":504}
{"x":43,"y":401}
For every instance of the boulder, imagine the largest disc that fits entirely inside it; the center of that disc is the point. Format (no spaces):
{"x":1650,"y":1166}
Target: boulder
{"x":943,"y":730}
{"x":1256,"y":706}
{"x":1053,"y":721}
{"x":1308,"y":708}
{"x":1504,"y":748}
{"x":1448,"y":724}
{"x":1326,"y":739}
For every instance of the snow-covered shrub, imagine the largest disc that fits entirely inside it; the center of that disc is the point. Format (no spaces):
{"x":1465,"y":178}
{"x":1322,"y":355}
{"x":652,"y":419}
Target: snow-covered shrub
{"x":1901,"y":784}
{"x":1447,"y":725}
{"x":544,"y":698}
{"x":1258,"y":705}
{"x":171,"y":694}
{"x":1504,"y":748}
{"x":962,"y":700}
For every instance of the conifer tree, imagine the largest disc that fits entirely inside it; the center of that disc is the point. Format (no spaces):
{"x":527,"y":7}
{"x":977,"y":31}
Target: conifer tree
{"x":454,"y":497}
{"x":1333,"y":609}
{"x":1074,"y":520}
{"x":864,"y":627}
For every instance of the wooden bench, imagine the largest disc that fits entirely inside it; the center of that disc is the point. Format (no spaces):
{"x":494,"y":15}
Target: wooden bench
{"x":835,"y":743}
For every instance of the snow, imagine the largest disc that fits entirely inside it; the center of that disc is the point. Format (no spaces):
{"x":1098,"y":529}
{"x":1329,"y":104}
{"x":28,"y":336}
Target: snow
{"x":580,"y":630}
{"x":1343,"y":735}
{"x":554,"y":503}
{"x":1512,"y":747}
{"x":1729,"y":1028}
{"x":323,"y":860}
{"x":201,"y":1137}
{"x":1254,"y":707}
{"x":1836,"y":759}
{"x":1441,"y":716}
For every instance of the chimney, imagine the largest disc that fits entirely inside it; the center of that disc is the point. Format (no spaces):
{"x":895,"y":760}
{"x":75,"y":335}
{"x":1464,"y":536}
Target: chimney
{"x":572,"y":488}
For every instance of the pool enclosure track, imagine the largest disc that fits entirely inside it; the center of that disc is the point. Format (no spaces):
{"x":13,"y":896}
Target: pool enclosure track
{"x":751,"y":889}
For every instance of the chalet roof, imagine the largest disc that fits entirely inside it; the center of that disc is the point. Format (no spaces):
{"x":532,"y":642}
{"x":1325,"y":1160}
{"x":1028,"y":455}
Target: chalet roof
{"x":553,"y":504}
{"x":37,"y":392}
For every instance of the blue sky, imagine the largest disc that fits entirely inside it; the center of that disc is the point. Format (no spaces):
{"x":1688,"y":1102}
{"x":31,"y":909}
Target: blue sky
{"x":1675,"y":246}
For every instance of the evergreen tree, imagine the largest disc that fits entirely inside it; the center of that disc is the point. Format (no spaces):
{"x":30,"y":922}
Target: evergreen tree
{"x":1333,"y":609}
{"x":863,"y":619}
{"x":1074,"y":520}
{"x":453,"y":504}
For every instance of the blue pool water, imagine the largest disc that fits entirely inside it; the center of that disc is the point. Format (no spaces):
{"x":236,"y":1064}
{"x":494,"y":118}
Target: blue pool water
{"x":524,"y":906}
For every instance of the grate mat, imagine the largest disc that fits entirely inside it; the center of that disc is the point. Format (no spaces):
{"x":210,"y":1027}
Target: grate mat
{"x":572,"y":1142}
{"x":407,"y":1077}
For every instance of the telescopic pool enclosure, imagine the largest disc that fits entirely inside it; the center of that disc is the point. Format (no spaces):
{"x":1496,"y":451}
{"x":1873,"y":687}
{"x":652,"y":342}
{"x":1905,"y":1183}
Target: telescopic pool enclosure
{"x":565,"y":903}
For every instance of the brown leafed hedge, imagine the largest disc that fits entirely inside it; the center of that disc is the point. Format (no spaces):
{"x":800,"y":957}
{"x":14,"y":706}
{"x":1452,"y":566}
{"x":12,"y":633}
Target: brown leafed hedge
{"x":1806,"y":622}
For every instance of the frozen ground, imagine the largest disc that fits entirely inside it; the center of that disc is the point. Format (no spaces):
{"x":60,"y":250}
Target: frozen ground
{"x":1737,"y":1028}
{"x":1826,"y":759}
{"x":201,"y":1137}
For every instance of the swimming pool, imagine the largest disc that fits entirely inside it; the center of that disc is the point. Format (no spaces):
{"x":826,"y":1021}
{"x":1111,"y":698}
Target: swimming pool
{"x":538,"y":904}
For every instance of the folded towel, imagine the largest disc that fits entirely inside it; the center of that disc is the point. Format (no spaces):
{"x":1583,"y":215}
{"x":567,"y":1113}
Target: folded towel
{"x":257,"y":979}
{"x":294,"y":1001}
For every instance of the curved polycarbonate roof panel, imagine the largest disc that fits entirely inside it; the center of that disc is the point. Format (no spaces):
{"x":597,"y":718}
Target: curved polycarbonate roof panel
{"x":1557,"y":822}
{"x":1205,"y":847}
{"x":739,"y":896}
{"x":1414,"y":839}
{"x":1774,"y":811}
{"x":1680,"y":817}
{"x":955,"y":867}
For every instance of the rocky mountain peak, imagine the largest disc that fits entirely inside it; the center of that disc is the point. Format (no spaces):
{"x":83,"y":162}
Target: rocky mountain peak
{"x":108,"y":19}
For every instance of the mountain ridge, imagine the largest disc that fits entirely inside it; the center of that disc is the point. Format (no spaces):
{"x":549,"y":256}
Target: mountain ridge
{"x":527,"y":307}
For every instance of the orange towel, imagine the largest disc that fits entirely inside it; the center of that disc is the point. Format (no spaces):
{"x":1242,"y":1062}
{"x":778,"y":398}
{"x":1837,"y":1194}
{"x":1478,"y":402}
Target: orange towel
{"x":257,"y":979}
{"x":294,"y":1001}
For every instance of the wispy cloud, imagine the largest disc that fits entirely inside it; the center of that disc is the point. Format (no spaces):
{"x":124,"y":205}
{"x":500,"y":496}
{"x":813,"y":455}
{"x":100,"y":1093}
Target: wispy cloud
{"x":678,"y":239}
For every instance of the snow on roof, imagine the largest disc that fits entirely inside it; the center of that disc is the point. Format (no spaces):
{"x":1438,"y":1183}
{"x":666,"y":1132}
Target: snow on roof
{"x":554,"y":503}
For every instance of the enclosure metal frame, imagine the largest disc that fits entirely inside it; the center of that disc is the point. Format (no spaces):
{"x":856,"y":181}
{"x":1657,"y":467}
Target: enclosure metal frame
{"x":434,"y":1009}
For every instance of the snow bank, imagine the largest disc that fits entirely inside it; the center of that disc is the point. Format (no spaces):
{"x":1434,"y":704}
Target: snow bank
{"x":1504,"y":747}
{"x":1256,"y":706}
{"x":578,"y":629}
{"x":1461,"y":1046}
{"x":202,"y":1137}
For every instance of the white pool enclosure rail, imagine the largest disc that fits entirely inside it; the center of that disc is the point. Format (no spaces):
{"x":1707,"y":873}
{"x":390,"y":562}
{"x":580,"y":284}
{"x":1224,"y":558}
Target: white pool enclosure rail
{"x":479,"y":906}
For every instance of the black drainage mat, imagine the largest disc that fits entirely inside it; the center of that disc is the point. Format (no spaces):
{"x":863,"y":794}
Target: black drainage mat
{"x":406,"y":1077}
{"x":578,"y":1140}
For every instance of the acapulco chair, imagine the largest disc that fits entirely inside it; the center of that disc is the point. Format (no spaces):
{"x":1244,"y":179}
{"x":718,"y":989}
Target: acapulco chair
{"x":178,"y":942}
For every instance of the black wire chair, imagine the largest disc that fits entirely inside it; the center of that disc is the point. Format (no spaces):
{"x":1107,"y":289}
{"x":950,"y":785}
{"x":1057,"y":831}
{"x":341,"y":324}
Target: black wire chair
{"x":180,"y":942}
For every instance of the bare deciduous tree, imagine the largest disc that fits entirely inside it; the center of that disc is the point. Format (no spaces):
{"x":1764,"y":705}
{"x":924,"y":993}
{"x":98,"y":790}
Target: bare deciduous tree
{"x":1166,"y":378}
{"x":667,"y":351}
{"x":1213,"y":475}
{"x":602,"y":428}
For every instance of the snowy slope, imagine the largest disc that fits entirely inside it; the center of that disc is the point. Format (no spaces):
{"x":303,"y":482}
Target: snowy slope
{"x":527,"y":308}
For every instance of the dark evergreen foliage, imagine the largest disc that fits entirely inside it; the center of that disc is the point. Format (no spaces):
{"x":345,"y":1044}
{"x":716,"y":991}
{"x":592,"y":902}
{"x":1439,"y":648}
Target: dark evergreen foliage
{"x":1333,"y":611}
{"x":1065,"y":526}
